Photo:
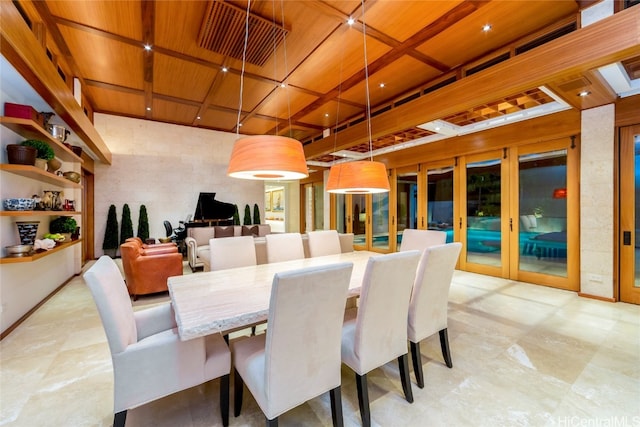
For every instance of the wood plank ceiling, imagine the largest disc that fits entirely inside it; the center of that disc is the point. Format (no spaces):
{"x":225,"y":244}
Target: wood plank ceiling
{"x":311,"y":80}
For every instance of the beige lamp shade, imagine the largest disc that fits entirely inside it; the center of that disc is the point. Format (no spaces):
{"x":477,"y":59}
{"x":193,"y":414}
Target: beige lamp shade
{"x":267,"y":157}
{"x":360,"y":177}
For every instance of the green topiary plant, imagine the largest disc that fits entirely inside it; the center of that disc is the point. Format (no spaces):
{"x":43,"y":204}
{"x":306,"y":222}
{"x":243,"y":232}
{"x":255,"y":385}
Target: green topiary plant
{"x":143,"y":224}
{"x":236,"y":216}
{"x":247,"y":215}
{"x":256,"y":214}
{"x":44,"y":150}
{"x":126,"y":228}
{"x":63,"y":224}
{"x":110,"y":242}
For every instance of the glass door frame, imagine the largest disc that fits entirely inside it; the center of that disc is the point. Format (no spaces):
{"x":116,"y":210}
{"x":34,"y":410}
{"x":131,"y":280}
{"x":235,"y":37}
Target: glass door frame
{"x":423,"y":193}
{"x":461,"y":191}
{"x":626,"y":214}
{"x":572,"y":280}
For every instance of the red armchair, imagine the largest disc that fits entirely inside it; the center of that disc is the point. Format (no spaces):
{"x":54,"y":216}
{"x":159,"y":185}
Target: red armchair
{"x":160,"y":248}
{"x":147,"y":273}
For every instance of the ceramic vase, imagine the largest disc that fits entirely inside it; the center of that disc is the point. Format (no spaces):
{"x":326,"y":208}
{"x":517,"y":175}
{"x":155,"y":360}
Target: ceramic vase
{"x":27,"y":231}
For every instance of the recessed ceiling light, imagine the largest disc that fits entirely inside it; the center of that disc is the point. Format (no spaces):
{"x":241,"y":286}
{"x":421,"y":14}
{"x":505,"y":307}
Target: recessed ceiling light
{"x":381,"y":85}
{"x":239,"y":124}
{"x":148,"y":108}
{"x":486,"y":27}
{"x":283,"y":85}
{"x":326,"y":114}
{"x":198,"y":118}
{"x":147,"y":47}
{"x":584,"y":93}
{"x":351,"y":21}
{"x":225,"y":69}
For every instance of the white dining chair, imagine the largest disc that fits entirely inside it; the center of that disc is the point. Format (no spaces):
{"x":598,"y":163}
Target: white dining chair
{"x":299,"y":356}
{"x":429,"y":302}
{"x":421,"y":239}
{"x":284,"y":247}
{"x":149,"y":359}
{"x":377,"y":332}
{"x":324,"y":242}
{"x":232,"y":252}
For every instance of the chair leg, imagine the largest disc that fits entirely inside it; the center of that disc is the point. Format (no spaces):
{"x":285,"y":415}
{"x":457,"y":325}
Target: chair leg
{"x":238,"y":386}
{"x":119,"y":419}
{"x":253,"y":331}
{"x":273,"y":422}
{"x":416,"y":357}
{"x":224,"y":399}
{"x":363,"y":399}
{"x":336,"y":407}
{"x":403,"y":365}
{"x":444,"y":344}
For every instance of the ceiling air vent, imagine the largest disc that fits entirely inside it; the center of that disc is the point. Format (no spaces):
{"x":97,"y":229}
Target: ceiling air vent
{"x":223,"y":31}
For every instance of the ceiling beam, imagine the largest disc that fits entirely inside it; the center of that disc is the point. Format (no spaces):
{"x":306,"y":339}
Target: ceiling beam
{"x":596,"y":45}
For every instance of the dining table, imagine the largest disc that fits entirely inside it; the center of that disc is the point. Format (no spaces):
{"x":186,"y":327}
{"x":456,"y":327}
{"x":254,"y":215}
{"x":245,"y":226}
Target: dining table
{"x":228,"y":300}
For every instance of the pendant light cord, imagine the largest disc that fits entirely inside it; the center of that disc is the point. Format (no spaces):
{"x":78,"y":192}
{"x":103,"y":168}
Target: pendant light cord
{"x":244,"y":60}
{"x":366,"y":79}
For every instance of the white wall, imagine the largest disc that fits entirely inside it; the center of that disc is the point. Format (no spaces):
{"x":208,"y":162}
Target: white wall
{"x":596,"y":201}
{"x":164,"y":167}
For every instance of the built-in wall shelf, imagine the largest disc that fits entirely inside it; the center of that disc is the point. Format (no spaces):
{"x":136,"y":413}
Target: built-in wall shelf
{"x":38,"y":213}
{"x":31,"y":130}
{"x":36,"y":256}
{"x":39,"y":174}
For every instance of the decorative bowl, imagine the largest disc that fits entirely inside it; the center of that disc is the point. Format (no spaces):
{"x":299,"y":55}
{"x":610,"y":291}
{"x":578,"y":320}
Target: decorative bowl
{"x":164,"y":239}
{"x":72,"y":176}
{"x":19,"y":204}
{"x":18,"y":250}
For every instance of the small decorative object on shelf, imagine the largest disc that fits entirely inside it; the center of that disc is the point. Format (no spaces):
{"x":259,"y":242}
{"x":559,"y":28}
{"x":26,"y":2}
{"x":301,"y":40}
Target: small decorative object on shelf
{"x":21,"y":154}
{"x":18,"y":250}
{"x":53,"y":165}
{"x":45,"y":152}
{"x":52,"y":200}
{"x":27,"y":231}
{"x":63,"y":224}
{"x":72,"y":176}
{"x":19,"y":204}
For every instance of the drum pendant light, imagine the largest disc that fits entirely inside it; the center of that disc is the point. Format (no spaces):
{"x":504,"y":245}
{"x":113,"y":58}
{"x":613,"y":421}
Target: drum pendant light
{"x":363,"y":176}
{"x":264,"y":157}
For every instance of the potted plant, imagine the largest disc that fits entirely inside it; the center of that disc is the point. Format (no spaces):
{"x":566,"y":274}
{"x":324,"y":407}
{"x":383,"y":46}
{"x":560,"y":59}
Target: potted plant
{"x":143,"y":224}
{"x":236,"y":215}
{"x":64,"y":225}
{"x":247,"y":215}
{"x":44,"y":151}
{"x":110,"y":242}
{"x":256,"y":214}
{"x":126,"y":228}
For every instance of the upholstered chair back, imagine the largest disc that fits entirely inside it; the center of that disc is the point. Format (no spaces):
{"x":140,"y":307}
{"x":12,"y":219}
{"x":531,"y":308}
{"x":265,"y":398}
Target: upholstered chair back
{"x":284,"y":247}
{"x":430,"y":295}
{"x":303,"y":340}
{"x":324,"y":242}
{"x":421,"y":239}
{"x":114,"y":306}
{"x":232,"y":252}
{"x":380,"y":328}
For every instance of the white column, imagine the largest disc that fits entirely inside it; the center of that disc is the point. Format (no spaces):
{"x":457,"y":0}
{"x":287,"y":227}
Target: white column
{"x":596,"y":201}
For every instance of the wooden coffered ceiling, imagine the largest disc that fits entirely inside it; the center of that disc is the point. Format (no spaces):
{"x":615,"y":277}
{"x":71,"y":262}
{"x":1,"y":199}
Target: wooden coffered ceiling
{"x":305,"y":70}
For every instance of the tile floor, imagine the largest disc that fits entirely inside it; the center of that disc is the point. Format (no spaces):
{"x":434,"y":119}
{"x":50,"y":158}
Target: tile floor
{"x":523,"y":355}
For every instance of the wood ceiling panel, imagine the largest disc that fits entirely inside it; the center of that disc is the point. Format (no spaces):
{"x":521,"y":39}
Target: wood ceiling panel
{"x":228,"y":93}
{"x":108,"y":59}
{"x":177,"y":25}
{"x":171,"y":111}
{"x":285,"y":102}
{"x":325,"y":116}
{"x":128,"y":104}
{"x":398,"y":77}
{"x":464,"y":41}
{"x":401,"y":20}
{"x":257,"y":126}
{"x":297,"y":132}
{"x":181,"y":79}
{"x":119,"y":17}
{"x":217,"y":119}
{"x":322,"y":71}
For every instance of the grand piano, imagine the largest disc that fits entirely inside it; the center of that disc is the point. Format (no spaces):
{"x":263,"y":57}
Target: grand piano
{"x":211,"y":212}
